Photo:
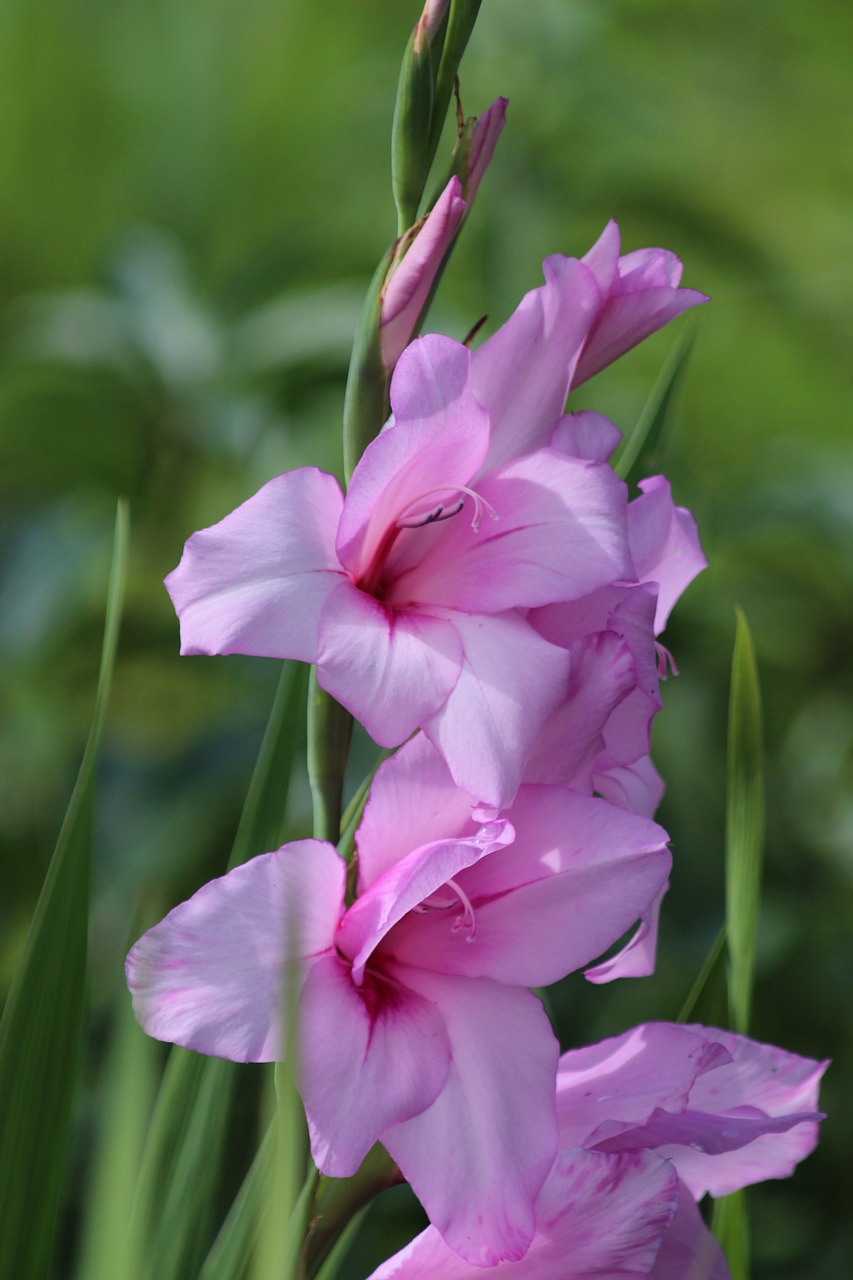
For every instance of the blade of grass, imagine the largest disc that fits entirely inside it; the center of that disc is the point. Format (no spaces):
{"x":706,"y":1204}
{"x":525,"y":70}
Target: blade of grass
{"x":42,"y":1026}
{"x":643,"y":444}
{"x":744,"y":824}
{"x":702,"y":978}
{"x":109,"y":1249}
{"x":744,"y":851}
{"x":182,"y":1164}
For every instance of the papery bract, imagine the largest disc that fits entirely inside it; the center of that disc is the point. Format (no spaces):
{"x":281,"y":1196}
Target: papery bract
{"x":415,"y":1027}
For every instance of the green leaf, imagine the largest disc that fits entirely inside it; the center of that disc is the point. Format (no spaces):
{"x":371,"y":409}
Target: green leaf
{"x":109,"y":1248}
{"x":744,"y":825}
{"x":703,"y":977}
{"x":643,"y":444}
{"x":182,"y":1165}
{"x":42,"y":1026}
{"x":731,"y":1228}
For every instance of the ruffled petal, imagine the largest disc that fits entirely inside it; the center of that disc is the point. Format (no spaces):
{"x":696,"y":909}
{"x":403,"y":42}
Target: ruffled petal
{"x":510,"y":681}
{"x":255,"y":582}
{"x":210,"y":975}
{"x":369,"y":1057}
{"x":391,"y":670}
{"x":478,"y":1156}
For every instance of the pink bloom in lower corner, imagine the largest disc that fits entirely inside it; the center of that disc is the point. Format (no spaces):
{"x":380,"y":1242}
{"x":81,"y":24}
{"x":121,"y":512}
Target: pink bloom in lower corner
{"x":415,"y":1024}
{"x":678,"y":1111}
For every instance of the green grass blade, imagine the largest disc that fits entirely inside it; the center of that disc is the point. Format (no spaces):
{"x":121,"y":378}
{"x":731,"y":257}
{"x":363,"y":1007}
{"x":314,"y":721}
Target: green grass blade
{"x":181,"y":1171}
{"x":109,"y":1249}
{"x":731,"y":1227}
{"x":643,"y":445}
{"x":42,"y":1026}
{"x":703,"y":977}
{"x":744,"y":851}
{"x":744,"y":825}
{"x":229,"y":1256}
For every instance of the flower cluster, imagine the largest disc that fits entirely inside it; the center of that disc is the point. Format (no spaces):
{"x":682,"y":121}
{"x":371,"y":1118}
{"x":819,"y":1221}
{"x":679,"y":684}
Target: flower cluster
{"x":486,"y":586}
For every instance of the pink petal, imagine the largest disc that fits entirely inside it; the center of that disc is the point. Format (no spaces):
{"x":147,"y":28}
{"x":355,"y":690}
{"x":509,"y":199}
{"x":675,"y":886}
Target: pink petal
{"x":628,"y":319}
{"x":637,"y":958}
{"x":406,"y":885}
{"x":510,"y":682}
{"x":688,"y":1250}
{"x":255,"y":582}
{"x":586,"y":435}
{"x":579,"y":873}
{"x":603,"y":259}
{"x":210,"y":975}
{"x":484,"y":139}
{"x":664,"y":544}
{"x":522,"y":372}
{"x":558,"y":534}
{"x":413,"y":801}
{"x":369,"y":1057}
{"x":598,"y":1219}
{"x":391,"y":670}
{"x":406,"y":291}
{"x":437,"y":442}
{"x":626,"y":1077}
{"x":638,"y":786}
{"x":478,"y":1156}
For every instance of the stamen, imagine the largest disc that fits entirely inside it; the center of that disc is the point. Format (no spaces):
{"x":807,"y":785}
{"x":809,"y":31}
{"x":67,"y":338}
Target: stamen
{"x":439,"y":512}
{"x":435,"y":902}
{"x":666,"y":662}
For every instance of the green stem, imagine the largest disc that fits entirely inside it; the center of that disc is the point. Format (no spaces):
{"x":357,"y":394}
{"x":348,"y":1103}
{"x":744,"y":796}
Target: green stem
{"x":341,"y":1198}
{"x":329,"y":731}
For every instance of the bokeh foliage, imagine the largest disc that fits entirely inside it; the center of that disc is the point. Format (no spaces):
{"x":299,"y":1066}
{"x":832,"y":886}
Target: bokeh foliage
{"x":193,"y":195}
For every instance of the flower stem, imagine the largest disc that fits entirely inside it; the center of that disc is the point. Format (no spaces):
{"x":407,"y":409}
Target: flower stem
{"x":329,"y":732}
{"x":339,"y":1199}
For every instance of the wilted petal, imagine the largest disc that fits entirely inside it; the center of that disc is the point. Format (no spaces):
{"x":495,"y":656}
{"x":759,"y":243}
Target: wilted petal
{"x":210,"y":975}
{"x":510,"y":682}
{"x":478,"y":1156}
{"x":523,"y":371}
{"x":369,"y":1057}
{"x":664,"y":544}
{"x":391,"y":670}
{"x":255,"y":583}
{"x":598,"y":1219}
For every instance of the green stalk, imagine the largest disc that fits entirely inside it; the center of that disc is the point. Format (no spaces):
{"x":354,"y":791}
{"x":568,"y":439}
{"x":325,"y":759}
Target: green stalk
{"x":329,"y":731}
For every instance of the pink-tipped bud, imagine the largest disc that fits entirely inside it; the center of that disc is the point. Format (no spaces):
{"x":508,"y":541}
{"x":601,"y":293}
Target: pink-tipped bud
{"x":428,"y":23}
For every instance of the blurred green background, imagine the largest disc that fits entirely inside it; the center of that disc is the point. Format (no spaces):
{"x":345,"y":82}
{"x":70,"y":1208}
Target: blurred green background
{"x":193,"y":196}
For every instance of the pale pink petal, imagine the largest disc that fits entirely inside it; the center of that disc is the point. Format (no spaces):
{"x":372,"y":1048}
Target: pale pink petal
{"x":523,"y":371}
{"x":688,"y":1250}
{"x":586,"y":435}
{"x":664,"y":544}
{"x":484,"y":139}
{"x":510,"y":682}
{"x":779,"y":1084}
{"x":391,"y":670}
{"x":599,"y":1218}
{"x":413,"y":801}
{"x":478,"y":1156}
{"x":626,"y":1077}
{"x":628,"y":318}
{"x":637,"y":786}
{"x":369,"y":1057}
{"x":210,"y":976}
{"x":437,"y":442}
{"x":405,"y":293}
{"x":406,"y":885}
{"x":637,"y":958}
{"x":579,"y":873}
{"x":558,"y":534}
{"x":602,"y":674}
{"x":255,"y":582}
{"x":603,"y":258}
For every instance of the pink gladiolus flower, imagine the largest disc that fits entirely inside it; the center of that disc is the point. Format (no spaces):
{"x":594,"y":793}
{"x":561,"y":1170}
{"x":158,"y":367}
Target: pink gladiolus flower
{"x":726,"y":1110}
{"x":406,"y":594}
{"x":414,"y":1024}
